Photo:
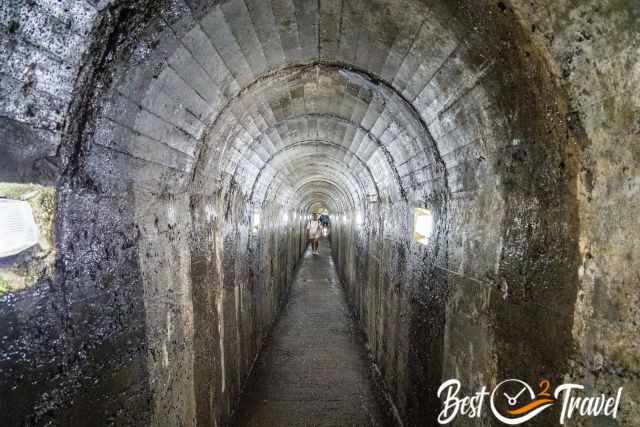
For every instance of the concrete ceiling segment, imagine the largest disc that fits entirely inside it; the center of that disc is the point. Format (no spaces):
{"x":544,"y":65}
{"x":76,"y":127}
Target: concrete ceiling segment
{"x":339,"y":199}
{"x":300,"y":153}
{"x":220,"y":87}
{"x":385,"y":132}
{"x":325,"y":170}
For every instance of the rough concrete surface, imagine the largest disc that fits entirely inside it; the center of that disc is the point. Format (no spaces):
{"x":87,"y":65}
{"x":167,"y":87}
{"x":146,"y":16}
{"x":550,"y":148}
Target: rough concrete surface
{"x":189,"y":140}
{"x":314,"y":371}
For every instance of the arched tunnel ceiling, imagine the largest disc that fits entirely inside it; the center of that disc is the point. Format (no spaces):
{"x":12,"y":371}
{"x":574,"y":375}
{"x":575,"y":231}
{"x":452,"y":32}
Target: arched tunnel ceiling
{"x":249,"y":92}
{"x":310,"y":161}
{"x":274,"y":118}
{"x":326,"y":193}
{"x":322,"y":148}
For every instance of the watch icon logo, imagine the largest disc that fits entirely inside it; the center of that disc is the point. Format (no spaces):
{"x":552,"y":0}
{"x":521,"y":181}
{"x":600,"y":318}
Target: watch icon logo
{"x":514,"y":402}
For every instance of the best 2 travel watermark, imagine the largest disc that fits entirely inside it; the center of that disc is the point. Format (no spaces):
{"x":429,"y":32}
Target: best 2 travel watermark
{"x":514,"y":402}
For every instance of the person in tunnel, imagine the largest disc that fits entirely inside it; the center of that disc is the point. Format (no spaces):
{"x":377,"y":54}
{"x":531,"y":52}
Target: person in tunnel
{"x":313,"y":233}
{"x":324,"y":221}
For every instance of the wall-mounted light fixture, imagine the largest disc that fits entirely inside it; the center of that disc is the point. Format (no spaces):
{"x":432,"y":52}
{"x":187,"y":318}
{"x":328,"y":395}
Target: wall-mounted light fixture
{"x":255,"y":222}
{"x":27,"y":224}
{"x":17,"y":227}
{"x":171,"y":213}
{"x":211,"y":212}
{"x":422,"y":225}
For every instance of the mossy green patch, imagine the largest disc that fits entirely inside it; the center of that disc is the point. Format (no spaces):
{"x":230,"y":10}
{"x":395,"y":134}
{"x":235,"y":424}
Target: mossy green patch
{"x":5,"y":287}
{"x":629,"y":10}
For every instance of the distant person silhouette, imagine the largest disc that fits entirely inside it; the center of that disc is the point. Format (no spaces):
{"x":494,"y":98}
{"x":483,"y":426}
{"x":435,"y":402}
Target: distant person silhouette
{"x":313,"y":233}
{"x":324,"y":221}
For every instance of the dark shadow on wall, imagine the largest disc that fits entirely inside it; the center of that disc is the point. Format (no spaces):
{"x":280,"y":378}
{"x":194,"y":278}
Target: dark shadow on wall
{"x":74,"y":340}
{"x":532,"y":306}
{"x":205,"y":287}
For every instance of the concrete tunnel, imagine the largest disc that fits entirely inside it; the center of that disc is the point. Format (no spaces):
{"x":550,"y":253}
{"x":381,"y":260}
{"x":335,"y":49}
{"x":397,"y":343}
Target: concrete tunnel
{"x":176,"y":149}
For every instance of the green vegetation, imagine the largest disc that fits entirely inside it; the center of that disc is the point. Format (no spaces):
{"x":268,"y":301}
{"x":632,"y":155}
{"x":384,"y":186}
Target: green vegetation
{"x":4,"y":286}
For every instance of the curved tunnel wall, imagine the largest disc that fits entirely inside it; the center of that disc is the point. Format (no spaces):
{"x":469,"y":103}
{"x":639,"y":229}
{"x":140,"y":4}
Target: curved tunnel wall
{"x":169,"y":126}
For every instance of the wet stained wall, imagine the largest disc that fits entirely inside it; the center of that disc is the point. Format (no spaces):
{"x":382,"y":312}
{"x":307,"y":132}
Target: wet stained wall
{"x":166,"y":125}
{"x":161,"y":299}
{"x":493,"y":295}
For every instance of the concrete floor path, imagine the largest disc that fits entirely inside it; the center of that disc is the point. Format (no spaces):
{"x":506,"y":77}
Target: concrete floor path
{"x":314,"y":372}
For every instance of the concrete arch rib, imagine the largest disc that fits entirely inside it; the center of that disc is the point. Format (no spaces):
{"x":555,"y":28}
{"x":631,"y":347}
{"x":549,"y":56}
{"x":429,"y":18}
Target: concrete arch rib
{"x":325,"y":189}
{"x":325,"y":169}
{"x":314,"y":144}
{"x":360,"y":79}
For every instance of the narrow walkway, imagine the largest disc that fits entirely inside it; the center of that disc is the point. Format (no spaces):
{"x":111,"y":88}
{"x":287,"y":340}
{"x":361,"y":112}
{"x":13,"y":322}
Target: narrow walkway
{"x":314,"y":372}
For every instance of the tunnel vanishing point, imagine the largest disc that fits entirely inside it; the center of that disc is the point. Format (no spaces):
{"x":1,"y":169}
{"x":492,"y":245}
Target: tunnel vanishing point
{"x":186,"y":142}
